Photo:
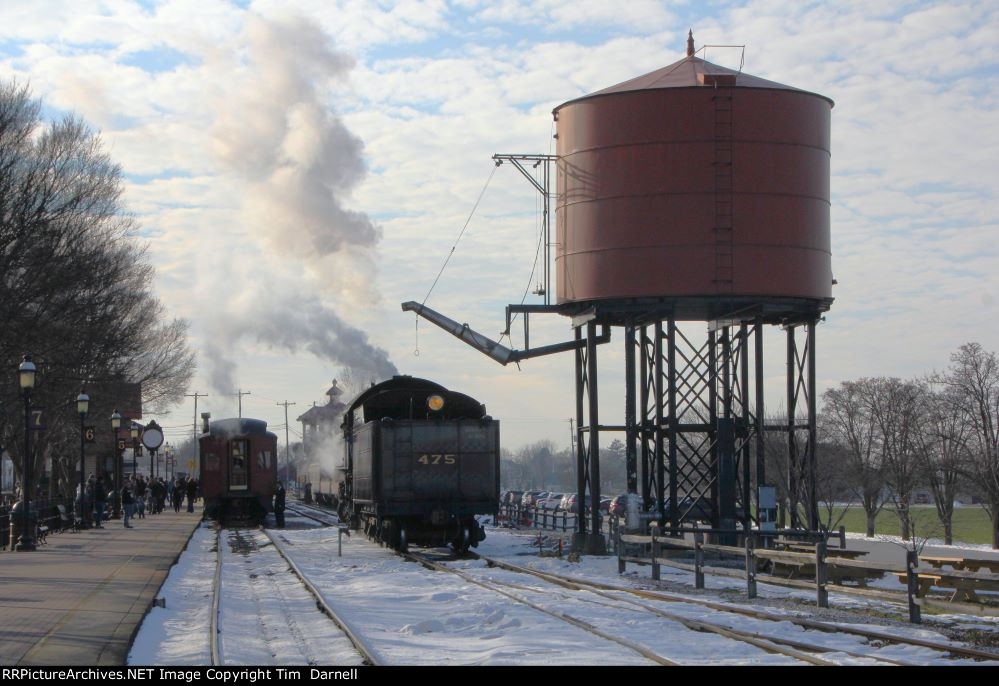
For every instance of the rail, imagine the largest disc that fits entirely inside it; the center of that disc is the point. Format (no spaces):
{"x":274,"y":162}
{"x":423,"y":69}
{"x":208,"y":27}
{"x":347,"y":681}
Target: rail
{"x":370,"y":654}
{"x":804,"y":622}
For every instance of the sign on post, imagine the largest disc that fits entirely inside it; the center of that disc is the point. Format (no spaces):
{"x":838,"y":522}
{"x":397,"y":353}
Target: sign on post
{"x":37,"y":418}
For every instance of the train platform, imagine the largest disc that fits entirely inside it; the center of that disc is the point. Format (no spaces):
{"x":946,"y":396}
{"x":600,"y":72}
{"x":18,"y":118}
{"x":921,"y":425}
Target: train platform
{"x":79,"y":598}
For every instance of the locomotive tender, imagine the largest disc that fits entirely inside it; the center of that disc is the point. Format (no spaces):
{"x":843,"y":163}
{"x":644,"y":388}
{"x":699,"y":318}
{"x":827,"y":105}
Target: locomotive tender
{"x":420,"y":462}
{"x":238,"y":469}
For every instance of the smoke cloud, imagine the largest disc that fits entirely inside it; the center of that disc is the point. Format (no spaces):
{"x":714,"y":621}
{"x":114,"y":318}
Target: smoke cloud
{"x":300,"y":160}
{"x":297,"y":163}
{"x":292,"y":322}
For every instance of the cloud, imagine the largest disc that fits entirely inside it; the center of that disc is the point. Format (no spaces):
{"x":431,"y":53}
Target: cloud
{"x":254,"y":140}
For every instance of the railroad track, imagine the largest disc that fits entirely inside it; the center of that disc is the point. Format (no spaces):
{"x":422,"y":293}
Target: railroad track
{"x":370,"y":655}
{"x":801,"y":650}
{"x":805,"y":623}
{"x":213,"y":626}
{"x":289,"y":618}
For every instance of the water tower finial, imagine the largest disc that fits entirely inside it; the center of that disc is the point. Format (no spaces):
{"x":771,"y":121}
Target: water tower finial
{"x":690,"y":43}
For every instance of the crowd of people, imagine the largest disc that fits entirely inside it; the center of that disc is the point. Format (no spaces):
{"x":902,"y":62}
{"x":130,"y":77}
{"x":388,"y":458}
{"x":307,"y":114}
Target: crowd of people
{"x":139,"y":496}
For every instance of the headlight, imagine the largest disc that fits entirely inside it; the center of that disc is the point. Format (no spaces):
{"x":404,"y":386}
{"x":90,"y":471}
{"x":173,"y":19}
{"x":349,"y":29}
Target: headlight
{"x":435,"y":403}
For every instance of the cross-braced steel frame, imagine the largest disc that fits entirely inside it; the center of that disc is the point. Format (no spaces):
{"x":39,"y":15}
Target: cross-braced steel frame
{"x":695,"y":423}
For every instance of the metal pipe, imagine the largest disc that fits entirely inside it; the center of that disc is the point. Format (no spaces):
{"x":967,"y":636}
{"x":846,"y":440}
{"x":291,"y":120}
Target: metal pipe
{"x":631,"y":454}
{"x":594,"y":436}
{"x":492,"y":348}
{"x":580,"y":448}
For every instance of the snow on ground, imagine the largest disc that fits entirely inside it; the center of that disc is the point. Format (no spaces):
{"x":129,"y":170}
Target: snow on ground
{"x":267,"y":616}
{"x":178,"y":633}
{"x":414,"y":616}
{"x":519,"y":548}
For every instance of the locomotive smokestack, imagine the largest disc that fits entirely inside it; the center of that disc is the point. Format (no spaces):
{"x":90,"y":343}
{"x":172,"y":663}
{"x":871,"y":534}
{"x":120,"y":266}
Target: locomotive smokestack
{"x":205,"y":416}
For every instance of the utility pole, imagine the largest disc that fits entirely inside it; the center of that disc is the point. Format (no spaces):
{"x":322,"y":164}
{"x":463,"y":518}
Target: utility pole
{"x":240,"y":393}
{"x":287,"y":451}
{"x":196,"y":395}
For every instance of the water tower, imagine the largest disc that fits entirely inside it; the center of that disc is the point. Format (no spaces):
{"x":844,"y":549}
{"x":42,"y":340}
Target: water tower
{"x":694,"y":193}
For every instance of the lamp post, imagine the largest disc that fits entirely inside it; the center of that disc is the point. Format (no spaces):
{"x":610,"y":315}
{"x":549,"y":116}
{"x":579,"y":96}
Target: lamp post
{"x":23,"y":516}
{"x":116,"y":425}
{"x":82,"y":405}
{"x":134,"y":433}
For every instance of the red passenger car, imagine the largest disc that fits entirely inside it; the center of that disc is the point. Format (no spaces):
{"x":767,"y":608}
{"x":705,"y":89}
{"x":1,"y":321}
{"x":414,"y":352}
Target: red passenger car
{"x":238,"y":470}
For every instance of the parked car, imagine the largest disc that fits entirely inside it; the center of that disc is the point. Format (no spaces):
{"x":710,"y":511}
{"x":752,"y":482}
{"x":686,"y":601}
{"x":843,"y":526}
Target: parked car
{"x":511,"y":497}
{"x":552,"y":502}
{"x":530,"y":498}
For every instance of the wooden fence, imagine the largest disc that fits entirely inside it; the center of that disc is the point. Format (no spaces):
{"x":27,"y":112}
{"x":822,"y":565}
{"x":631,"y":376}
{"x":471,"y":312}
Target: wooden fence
{"x":819,"y":565}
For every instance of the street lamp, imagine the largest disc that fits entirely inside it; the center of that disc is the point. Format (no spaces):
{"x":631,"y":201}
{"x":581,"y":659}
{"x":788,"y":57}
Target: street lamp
{"x":23,"y":515}
{"x":82,"y":405}
{"x":116,"y":425}
{"x":134,"y":432}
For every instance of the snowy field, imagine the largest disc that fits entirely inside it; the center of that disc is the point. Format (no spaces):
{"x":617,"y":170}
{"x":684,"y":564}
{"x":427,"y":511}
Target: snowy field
{"x":413,"y":616}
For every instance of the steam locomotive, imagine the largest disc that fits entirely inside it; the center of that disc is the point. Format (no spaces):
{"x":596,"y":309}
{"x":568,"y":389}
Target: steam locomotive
{"x":420,"y":461}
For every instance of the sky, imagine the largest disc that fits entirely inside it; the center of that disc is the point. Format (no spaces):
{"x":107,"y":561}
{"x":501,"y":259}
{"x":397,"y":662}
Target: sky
{"x":299,"y":169}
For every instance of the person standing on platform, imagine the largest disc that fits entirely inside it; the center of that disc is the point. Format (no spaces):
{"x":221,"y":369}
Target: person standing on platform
{"x":178,"y":494}
{"x":192,"y":492}
{"x":88,"y":500}
{"x":161,"y":494}
{"x":279,"y":498}
{"x":100,"y":500}
{"x":127,"y":504}
{"x":139,"y":491}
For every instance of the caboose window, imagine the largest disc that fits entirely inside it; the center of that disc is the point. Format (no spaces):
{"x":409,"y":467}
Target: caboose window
{"x":238,"y":468}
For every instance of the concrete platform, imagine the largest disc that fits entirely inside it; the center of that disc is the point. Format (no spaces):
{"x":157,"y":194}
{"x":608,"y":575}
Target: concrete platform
{"x":79,"y":599}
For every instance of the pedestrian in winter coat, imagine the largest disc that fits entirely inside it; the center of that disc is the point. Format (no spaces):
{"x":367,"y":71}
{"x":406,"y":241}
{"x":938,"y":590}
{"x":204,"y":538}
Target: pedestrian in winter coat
{"x":100,"y":500}
{"x":178,"y":494}
{"x":279,"y":503}
{"x":192,"y":492}
{"x":127,"y":504}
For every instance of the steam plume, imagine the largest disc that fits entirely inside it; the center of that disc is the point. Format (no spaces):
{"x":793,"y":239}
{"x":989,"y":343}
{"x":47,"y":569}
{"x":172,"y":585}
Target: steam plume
{"x":298,"y":163}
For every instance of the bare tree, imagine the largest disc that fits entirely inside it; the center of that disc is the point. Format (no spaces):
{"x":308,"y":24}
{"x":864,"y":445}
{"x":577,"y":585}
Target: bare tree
{"x":943,"y":450}
{"x":832,"y":484}
{"x":538,"y":463}
{"x":973,"y":378}
{"x":896,"y":407}
{"x":75,"y":284}
{"x":849,"y":422}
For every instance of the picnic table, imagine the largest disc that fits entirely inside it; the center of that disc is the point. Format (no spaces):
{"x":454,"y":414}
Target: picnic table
{"x":793,"y":568}
{"x":964,"y":583}
{"x":960,"y":563}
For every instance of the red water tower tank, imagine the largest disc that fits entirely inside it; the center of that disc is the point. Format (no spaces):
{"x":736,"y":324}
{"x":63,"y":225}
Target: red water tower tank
{"x":694,"y":182}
